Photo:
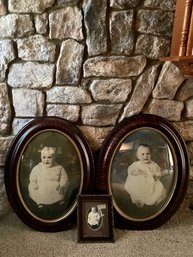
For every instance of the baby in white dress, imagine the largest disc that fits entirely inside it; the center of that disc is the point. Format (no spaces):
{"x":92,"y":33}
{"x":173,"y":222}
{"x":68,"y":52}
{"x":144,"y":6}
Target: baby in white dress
{"x":93,"y":218}
{"x":48,"y":180}
{"x":143,"y":180}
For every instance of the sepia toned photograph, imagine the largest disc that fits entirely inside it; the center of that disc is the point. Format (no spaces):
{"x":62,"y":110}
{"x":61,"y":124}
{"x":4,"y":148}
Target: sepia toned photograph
{"x":144,"y":165}
{"x":143,"y":172}
{"x":50,"y":174}
{"x":95,"y":218}
{"x":48,"y":165}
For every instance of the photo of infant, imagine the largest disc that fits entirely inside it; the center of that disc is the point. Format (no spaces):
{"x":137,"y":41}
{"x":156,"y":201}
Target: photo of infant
{"x":94,"y":218}
{"x":48,"y":179}
{"x":51,"y":175}
{"x":142,"y":174}
{"x":143,"y":180}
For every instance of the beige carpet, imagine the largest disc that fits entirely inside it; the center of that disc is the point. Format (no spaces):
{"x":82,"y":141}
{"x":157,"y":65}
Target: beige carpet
{"x":174,"y":238}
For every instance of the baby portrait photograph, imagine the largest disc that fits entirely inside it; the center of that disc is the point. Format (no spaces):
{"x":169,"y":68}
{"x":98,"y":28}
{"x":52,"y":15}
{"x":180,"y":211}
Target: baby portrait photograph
{"x":50,"y":175}
{"x":95,"y":218}
{"x":142,"y":173}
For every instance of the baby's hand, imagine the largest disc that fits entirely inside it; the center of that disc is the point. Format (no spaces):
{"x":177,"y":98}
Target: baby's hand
{"x":35,"y":187}
{"x":138,"y":172}
{"x":143,"y":172}
{"x":165,"y":172}
{"x":60,"y":189}
{"x":156,"y":177}
{"x":135,"y":172}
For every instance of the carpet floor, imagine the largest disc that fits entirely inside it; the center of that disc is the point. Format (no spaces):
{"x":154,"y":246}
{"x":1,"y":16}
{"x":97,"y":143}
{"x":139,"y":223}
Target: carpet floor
{"x":174,"y":238}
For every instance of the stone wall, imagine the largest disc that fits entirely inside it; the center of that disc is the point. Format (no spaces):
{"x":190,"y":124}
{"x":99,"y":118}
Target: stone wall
{"x":90,"y":62}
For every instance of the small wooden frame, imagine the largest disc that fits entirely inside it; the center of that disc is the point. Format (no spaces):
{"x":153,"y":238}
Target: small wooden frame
{"x":182,"y":39}
{"x":95,"y":218}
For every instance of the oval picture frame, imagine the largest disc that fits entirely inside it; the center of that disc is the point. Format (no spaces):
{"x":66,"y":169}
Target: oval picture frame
{"x":48,"y":164}
{"x":144,"y":165}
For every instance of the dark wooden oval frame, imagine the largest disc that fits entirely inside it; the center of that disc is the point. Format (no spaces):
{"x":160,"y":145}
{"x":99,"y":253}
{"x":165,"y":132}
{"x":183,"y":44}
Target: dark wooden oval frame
{"x":108,"y":150}
{"x":34,"y":127}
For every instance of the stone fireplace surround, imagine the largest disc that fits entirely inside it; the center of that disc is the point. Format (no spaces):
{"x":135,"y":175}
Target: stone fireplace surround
{"x":91,"y":62}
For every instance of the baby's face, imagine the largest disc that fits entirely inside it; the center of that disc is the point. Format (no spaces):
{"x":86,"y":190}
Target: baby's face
{"x":93,"y":209}
{"x":47,"y":159}
{"x":144,"y":154}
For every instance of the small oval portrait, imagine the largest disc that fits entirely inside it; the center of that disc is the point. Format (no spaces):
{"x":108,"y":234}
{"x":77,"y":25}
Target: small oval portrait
{"x":95,"y":218}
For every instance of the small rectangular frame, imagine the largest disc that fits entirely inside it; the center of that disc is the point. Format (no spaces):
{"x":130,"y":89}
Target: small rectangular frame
{"x":95,"y":218}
